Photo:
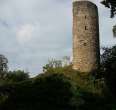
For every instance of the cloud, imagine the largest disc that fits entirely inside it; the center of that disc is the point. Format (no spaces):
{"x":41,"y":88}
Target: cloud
{"x":25,"y":33}
{"x":36,"y":30}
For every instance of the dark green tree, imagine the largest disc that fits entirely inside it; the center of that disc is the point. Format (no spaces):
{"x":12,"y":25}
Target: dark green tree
{"x":17,"y":76}
{"x":110,"y":4}
{"x":45,"y":92}
{"x":109,"y":68}
{"x":114,"y":30}
{"x":3,"y":63}
{"x":3,"y":66}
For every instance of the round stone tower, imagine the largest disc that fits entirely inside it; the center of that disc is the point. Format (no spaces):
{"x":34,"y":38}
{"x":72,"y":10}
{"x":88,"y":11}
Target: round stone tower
{"x":86,"y":50}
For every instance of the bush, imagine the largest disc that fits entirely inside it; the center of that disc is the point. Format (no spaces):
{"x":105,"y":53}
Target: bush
{"x":13,"y":77}
{"x":17,"y":76}
{"x":53,"y":92}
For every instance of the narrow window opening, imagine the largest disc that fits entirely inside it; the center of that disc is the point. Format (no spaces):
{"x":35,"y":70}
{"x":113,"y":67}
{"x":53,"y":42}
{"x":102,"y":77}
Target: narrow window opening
{"x":85,"y":44}
{"x":85,"y":27}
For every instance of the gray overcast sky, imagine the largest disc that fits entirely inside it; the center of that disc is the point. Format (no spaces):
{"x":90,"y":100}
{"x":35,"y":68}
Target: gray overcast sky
{"x":32,"y":31}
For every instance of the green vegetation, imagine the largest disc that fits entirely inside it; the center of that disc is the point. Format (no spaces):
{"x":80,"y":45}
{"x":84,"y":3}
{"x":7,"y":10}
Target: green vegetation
{"x":114,"y":30}
{"x":110,"y":4}
{"x":10,"y":77}
{"x":61,"y":88}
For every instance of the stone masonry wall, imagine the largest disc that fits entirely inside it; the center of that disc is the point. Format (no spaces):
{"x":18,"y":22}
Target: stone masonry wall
{"x":86,"y":51}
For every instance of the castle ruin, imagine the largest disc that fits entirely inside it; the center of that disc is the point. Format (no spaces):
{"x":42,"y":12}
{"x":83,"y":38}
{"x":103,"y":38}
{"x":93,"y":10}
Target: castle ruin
{"x":86,"y":49}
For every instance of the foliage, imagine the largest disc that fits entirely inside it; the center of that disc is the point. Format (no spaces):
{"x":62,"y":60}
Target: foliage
{"x":17,"y":76}
{"x":62,"y":88}
{"x":114,"y":30}
{"x":56,"y":64}
{"x":10,"y":76}
{"x":109,"y":67}
{"x":3,"y":65}
{"x":51,"y":92}
{"x":13,"y":77}
{"x":87,"y":81}
{"x":46,"y":92}
{"x":110,"y":4}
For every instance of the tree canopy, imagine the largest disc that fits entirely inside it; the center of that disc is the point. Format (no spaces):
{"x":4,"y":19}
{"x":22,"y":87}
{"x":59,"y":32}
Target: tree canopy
{"x":3,"y":63}
{"x":110,"y":4}
{"x":114,"y":30}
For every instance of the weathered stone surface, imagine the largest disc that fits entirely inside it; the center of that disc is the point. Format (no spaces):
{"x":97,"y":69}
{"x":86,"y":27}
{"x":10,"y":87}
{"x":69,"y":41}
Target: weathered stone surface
{"x":86,"y":50}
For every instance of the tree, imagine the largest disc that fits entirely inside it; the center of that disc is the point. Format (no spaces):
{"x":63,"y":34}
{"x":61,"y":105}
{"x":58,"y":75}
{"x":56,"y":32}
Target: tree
{"x":110,"y":4}
{"x":3,"y":63}
{"x":53,"y":63}
{"x":114,"y":30}
{"x":45,"y":92}
{"x":17,"y":76}
{"x":3,"y":66}
{"x":109,"y":68}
